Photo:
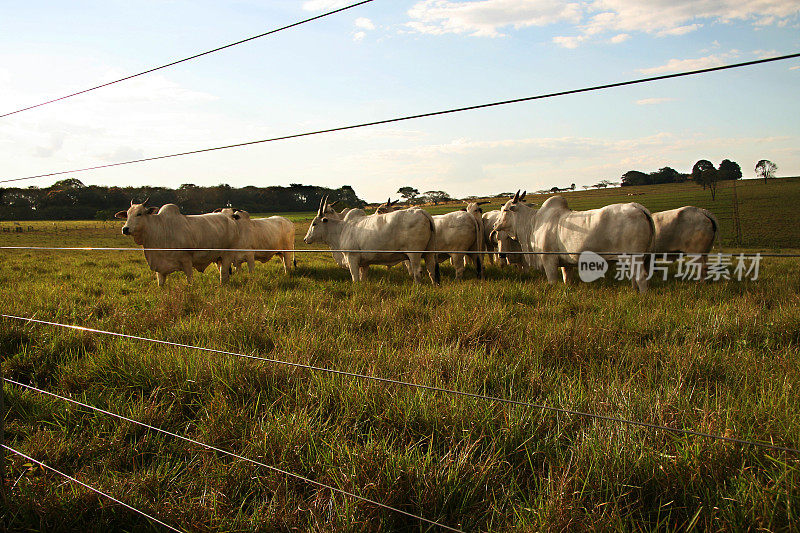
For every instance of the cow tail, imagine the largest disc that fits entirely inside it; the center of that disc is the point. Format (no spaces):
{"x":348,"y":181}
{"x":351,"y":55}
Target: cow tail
{"x":714,"y":224}
{"x":432,"y":246}
{"x":479,"y":246}
{"x":649,"y":256}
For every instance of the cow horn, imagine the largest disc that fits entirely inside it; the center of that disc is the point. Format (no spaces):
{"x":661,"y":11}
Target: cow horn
{"x":325,"y":204}
{"x":516,"y":197}
{"x":523,"y":195}
{"x":131,"y":202}
{"x":145,"y":201}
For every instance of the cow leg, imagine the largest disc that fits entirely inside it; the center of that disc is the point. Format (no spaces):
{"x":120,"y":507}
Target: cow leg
{"x":415,"y":262}
{"x":568,"y":274}
{"x":551,"y":269}
{"x":458,"y":261}
{"x":362,"y":271}
{"x":161,"y":278}
{"x":187,"y":269}
{"x":251,"y":262}
{"x":353,"y":261}
{"x":640,"y":278}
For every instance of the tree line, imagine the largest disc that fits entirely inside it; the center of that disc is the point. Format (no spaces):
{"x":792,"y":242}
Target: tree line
{"x":70,"y":199}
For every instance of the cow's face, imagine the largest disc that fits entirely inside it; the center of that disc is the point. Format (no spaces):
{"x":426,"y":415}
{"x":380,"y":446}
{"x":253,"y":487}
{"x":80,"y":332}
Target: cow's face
{"x":507,"y":221}
{"x":318,"y":230}
{"x":136,"y":220}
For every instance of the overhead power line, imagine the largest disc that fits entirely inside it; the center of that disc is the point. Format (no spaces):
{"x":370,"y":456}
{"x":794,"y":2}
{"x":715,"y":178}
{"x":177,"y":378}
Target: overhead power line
{"x":98,"y":491}
{"x":430,"y":388}
{"x":195,"y":56}
{"x":422,"y":115}
{"x":238,"y":456}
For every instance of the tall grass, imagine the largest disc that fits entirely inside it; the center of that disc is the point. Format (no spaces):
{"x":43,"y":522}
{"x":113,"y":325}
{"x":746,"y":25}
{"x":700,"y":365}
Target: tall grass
{"x":718,"y":357}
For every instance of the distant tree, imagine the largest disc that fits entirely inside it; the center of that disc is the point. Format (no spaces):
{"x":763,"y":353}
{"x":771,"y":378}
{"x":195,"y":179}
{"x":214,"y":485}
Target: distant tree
{"x":603,"y":184}
{"x":69,"y":183}
{"x":555,"y":189}
{"x":665,"y":175}
{"x":572,"y":187}
{"x":766,"y":169}
{"x":437,"y":197}
{"x":634,"y":177}
{"x":701,"y":172}
{"x":409,"y":193}
{"x":729,"y":170}
{"x":586,"y":186}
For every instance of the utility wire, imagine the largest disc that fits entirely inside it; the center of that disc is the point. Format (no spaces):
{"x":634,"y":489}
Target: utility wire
{"x":422,"y":115}
{"x":98,"y":491}
{"x":430,"y":388}
{"x":237,"y":456}
{"x":190,"y":57}
{"x":323,"y":250}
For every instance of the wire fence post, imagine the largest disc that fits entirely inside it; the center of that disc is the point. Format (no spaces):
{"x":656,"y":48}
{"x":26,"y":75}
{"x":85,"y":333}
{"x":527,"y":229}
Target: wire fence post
{"x":2,"y":437}
{"x":737,"y":225}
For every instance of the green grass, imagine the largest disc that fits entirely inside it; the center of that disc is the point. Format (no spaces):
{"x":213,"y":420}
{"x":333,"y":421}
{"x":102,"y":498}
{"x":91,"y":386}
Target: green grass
{"x":719,"y":358}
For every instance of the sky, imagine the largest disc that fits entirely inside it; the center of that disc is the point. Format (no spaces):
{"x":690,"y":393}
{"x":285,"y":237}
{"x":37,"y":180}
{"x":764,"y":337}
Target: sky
{"x":391,"y":58}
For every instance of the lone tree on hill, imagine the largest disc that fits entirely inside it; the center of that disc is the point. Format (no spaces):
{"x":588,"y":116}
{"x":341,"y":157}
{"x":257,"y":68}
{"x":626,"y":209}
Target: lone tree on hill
{"x":409,"y":193}
{"x":437,"y":196}
{"x":702,"y":171}
{"x":729,"y":170}
{"x":766,"y":169}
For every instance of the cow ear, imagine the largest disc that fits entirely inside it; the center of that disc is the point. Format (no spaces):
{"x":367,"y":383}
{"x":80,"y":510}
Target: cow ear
{"x":324,"y":219}
{"x":152,"y":210}
{"x":463,"y":208}
{"x":121,"y":214}
{"x":236,"y":217}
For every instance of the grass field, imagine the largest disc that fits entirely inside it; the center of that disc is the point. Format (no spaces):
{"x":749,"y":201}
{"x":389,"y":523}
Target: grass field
{"x":718,"y":358}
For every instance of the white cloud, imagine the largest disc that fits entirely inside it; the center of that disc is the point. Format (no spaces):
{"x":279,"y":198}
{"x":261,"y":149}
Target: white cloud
{"x":359,"y":36}
{"x":620,"y":38}
{"x":796,"y":67}
{"x":364,"y":23}
{"x":762,"y":54}
{"x":485,"y":18}
{"x":568,"y":41}
{"x":680,"y":65}
{"x":653,"y":101}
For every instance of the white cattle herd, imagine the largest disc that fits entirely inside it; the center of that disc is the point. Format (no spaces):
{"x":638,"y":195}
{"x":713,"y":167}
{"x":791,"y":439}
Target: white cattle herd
{"x":552,"y":237}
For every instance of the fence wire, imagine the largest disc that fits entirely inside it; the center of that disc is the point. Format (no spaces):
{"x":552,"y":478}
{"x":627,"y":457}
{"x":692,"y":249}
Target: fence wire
{"x":421,"y":115}
{"x":240,"y":457}
{"x":430,"y":388}
{"x":93,"y":489}
{"x":323,"y":250}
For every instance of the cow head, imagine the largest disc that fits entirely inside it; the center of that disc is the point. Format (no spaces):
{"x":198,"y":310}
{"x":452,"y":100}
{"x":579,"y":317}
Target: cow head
{"x":508,"y":215}
{"x":475,"y":207}
{"x":318,"y":230}
{"x":235,"y":214}
{"x":136,"y":219}
{"x":388,"y":207}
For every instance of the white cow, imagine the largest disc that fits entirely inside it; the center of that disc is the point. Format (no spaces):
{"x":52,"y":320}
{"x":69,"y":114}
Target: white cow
{"x":555,"y":228}
{"x":168,"y":228}
{"x":410,"y":234}
{"x":499,"y":243}
{"x":688,"y":230}
{"x":458,"y":232}
{"x":262,"y":234}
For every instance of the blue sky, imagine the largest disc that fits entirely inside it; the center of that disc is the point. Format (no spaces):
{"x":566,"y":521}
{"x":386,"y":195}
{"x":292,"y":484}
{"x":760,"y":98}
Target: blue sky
{"x":391,"y":58}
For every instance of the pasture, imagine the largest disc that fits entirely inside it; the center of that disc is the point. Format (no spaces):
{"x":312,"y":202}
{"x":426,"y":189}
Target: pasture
{"x":720,"y":358}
